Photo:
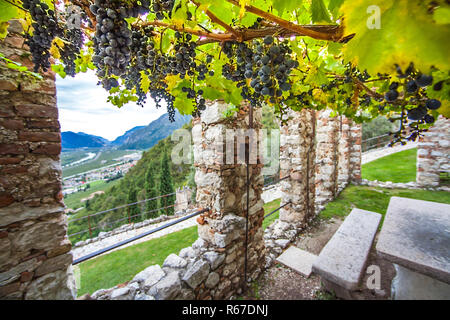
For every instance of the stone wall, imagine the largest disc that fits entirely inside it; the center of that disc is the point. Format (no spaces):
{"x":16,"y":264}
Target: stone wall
{"x":327,"y":157}
{"x":35,"y":258}
{"x":297,"y":158}
{"x":433,"y":153}
{"x":338,"y":156}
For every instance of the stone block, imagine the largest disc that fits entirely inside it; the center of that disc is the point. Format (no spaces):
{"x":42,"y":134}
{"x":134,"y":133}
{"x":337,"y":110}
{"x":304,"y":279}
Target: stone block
{"x":343,"y":258}
{"x":149,"y":276}
{"x":212,"y":280}
{"x":299,"y":260}
{"x":167,"y":288}
{"x":196,"y":273}
{"x":214,"y":258}
{"x":415,"y":235}
{"x":174,"y":261}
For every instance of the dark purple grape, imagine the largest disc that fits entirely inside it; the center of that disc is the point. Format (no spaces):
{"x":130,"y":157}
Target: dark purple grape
{"x":428,"y":118}
{"x":424,"y":80}
{"x":417,"y":113}
{"x":391,"y":95}
{"x":411,"y":86}
{"x":433,"y":104}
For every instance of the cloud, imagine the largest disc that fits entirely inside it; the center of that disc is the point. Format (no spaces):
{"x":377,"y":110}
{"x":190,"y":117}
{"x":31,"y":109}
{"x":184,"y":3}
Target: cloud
{"x":83,"y":107}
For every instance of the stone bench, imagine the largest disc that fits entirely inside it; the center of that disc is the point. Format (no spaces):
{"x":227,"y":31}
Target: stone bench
{"x":341,"y":262}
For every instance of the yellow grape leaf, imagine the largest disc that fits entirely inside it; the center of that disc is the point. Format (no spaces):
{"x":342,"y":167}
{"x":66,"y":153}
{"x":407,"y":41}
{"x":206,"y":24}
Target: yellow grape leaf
{"x":55,"y":52}
{"x":172,"y":81}
{"x":145,"y":82}
{"x":243,"y":3}
{"x":320,"y":96}
{"x":3,"y":29}
{"x":60,"y":42}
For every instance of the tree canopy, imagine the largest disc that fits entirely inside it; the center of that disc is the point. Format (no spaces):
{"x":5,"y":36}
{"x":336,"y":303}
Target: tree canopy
{"x":361,"y":58}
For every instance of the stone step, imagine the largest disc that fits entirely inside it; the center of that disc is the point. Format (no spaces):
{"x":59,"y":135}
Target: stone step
{"x":298,"y":260}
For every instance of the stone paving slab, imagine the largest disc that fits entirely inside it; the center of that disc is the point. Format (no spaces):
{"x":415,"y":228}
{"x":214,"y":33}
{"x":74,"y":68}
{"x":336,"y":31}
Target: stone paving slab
{"x":298,"y":260}
{"x":343,"y":258}
{"x":416,"y":235}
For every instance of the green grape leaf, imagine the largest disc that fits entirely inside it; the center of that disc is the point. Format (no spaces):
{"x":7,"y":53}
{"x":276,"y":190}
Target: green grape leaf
{"x":7,"y":11}
{"x":286,"y":5}
{"x":334,"y":6}
{"x":183,"y":105}
{"x":407,"y":34}
{"x":59,"y":69}
{"x":319,"y":12}
{"x":442,"y":15}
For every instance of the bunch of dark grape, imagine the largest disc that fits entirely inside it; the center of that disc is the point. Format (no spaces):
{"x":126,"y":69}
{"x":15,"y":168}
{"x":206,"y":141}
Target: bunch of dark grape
{"x":112,"y":41}
{"x":70,"y":52}
{"x":200,"y":102}
{"x":159,"y":95}
{"x":185,"y":55}
{"x":235,"y":70}
{"x":139,"y":53}
{"x":159,"y":7}
{"x":273,"y":65}
{"x":45,"y":29}
{"x":415,"y":84}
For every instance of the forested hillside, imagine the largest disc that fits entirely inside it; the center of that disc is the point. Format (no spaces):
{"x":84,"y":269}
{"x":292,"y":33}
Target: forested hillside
{"x":117,"y":195}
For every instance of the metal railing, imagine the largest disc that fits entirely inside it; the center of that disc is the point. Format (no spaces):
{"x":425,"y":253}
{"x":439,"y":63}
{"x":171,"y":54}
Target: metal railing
{"x":375,"y":142}
{"x":144,"y":234}
{"x":275,"y":182}
{"x":128,"y":217}
{"x":272,"y":212}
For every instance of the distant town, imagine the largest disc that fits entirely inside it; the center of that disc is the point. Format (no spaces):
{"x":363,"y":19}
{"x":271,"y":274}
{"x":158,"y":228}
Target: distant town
{"x":110,"y":172}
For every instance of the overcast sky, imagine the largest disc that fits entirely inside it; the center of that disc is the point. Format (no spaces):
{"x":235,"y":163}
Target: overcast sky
{"x":83,"y":107}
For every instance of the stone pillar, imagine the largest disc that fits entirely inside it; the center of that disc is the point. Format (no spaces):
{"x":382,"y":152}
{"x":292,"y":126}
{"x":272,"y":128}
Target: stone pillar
{"x":344,"y":145}
{"x":35,"y":257}
{"x":296,"y":162}
{"x":433,"y":153}
{"x":222,"y":188}
{"x":355,"y":152}
{"x":327,"y":135}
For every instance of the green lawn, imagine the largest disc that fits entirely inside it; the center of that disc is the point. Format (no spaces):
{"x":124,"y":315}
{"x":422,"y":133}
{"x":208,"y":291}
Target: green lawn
{"x":73,"y":200}
{"x":269,"y":207}
{"x":397,"y":167}
{"x":376,"y":199}
{"x":122,"y":265}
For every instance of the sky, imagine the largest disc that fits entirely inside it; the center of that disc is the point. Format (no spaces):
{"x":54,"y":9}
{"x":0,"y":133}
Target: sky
{"x":83,"y":107}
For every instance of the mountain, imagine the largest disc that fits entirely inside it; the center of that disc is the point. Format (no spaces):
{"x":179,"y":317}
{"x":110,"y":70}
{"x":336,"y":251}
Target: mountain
{"x":72,"y":140}
{"x":146,"y":137}
{"x":120,"y":140}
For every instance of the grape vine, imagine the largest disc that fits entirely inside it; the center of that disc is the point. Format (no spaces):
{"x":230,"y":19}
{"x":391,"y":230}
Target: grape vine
{"x":186,"y":52}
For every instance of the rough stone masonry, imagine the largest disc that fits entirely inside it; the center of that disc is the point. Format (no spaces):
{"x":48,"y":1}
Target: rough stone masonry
{"x":433,"y":154}
{"x":35,"y":257}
